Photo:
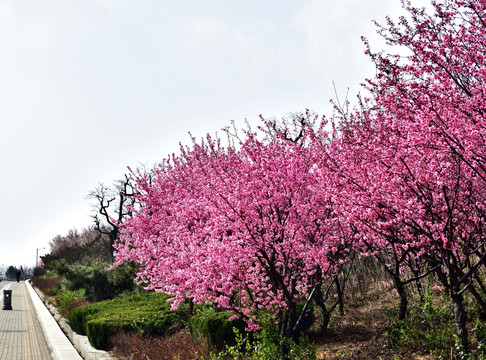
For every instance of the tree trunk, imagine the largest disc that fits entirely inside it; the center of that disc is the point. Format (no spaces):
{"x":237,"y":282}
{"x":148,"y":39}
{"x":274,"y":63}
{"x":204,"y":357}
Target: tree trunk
{"x":420,"y":291}
{"x":287,"y":329}
{"x":289,"y":321}
{"x":402,"y":312}
{"x":403,"y":306}
{"x":340,"y":296}
{"x":460,"y":314}
{"x":326,"y":314}
{"x":326,"y":318}
{"x":460,"y":317}
{"x":191,"y":307}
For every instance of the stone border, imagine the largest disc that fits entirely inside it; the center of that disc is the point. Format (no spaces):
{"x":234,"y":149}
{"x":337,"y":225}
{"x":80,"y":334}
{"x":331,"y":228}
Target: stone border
{"x":80,"y":342}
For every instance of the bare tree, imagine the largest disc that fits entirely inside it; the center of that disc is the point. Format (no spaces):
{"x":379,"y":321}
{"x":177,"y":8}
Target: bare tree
{"x":111,"y":205}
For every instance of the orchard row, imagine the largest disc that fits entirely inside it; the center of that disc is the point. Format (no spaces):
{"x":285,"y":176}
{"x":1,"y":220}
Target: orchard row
{"x":263,"y":218}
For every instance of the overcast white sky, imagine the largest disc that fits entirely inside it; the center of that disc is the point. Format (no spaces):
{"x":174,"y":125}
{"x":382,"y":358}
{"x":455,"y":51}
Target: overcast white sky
{"x":89,"y":87}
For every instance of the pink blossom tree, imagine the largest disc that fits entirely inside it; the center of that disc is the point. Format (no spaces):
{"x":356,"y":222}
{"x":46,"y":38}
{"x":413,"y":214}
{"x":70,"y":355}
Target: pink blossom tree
{"x":418,"y":154}
{"x":263,"y":223}
{"x":361,"y":178}
{"x":246,"y":227}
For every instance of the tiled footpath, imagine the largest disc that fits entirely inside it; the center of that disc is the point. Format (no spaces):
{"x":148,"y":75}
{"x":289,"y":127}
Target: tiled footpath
{"x":21,"y":335}
{"x":30,"y":332}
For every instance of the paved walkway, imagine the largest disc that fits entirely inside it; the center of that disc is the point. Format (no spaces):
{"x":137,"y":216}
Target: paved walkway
{"x":21,"y":335}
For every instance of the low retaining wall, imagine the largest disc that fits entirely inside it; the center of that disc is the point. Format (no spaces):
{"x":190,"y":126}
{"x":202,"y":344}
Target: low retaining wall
{"x":80,"y":342}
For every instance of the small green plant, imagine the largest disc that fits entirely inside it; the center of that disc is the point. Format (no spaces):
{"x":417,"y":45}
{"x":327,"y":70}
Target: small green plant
{"x":67,"y":300}
{"x":480,"y":330}
{"x":428,"y":327}
{"x":267,"y":344}
{"x":461,"y":354}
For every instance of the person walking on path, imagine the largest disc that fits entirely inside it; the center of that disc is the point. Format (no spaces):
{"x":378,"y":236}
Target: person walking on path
{"x":18,"y":275}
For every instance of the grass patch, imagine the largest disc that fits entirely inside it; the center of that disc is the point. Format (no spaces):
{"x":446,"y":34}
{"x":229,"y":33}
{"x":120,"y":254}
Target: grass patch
{"x":429,"y":327}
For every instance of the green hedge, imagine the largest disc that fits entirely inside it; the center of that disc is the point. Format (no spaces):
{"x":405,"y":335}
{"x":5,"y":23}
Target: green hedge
{"x":216,"y":328}
{"x":147,"y":313}
{"x":79,"y":316}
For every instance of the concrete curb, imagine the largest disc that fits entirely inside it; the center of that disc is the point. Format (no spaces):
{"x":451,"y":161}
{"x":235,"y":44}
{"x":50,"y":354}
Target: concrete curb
{"x":76,"y":341}
{"x":61,"y":348}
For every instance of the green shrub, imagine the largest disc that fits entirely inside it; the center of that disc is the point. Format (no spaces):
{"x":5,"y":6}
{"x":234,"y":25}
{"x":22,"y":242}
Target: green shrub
{"x":428,"y":327}
{"x":60,"y":267}
{"x":99,"y":331}
{"x":79,"y":316}
{"x":98,"y":282}
{"x":215,"y":327}
{"x":39,"y":271}
{"x":480,"y":330}
{"x":267,"y":344}
{"x":145,"y":313}
{"x":48,"y":283}
{"x":53,"y":291}
{"x":67,"y":300}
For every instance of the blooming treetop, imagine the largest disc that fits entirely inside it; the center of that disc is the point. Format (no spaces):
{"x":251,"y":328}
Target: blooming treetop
{"x":242,"y":227}
{"x":414,"y":159}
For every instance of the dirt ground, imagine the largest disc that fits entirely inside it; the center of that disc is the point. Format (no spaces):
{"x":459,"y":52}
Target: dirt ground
{"x":358,"y":334}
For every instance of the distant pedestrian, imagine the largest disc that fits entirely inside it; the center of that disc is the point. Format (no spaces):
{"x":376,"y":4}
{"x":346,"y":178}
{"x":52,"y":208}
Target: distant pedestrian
{"x":18,"y":275}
